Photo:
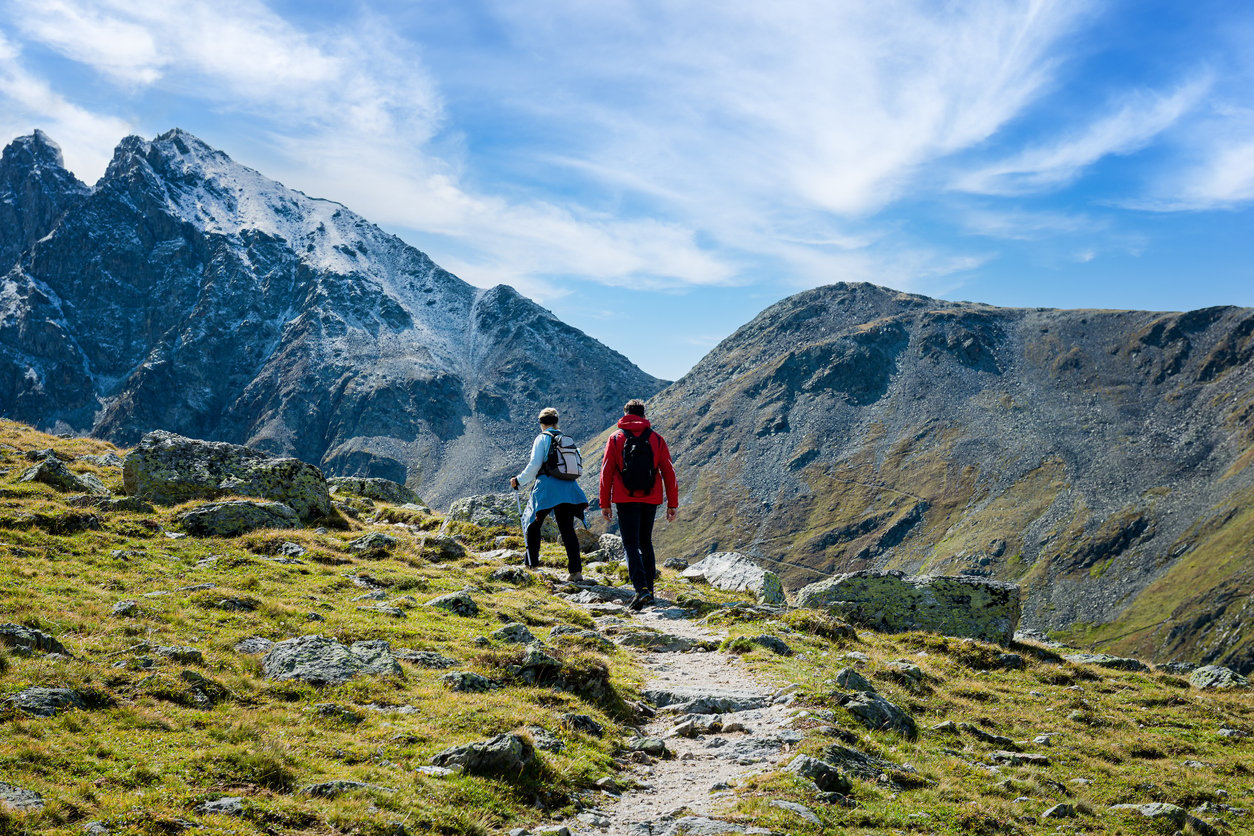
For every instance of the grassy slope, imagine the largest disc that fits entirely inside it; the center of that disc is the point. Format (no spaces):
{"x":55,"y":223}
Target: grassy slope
{"x":142,"y":758}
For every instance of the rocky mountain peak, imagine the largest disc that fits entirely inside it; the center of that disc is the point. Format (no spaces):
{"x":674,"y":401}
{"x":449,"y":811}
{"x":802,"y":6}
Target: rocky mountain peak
{"x":28,"y":152}
{"x":35,"y":190}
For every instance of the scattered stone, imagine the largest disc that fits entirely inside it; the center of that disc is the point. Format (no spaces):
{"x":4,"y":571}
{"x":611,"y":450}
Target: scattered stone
{"x":516,"y":575}
{"x":609,"y":785}
{"x":514,"y":634}
{"x":236,"y":517}
{"x":1060,"y":811}
{"x":656,"y":642}
{"x":612,"y":548}
{"x":46,"y":702}
{"x":181,"y":655}
{"x":1216,"y":676}
{"x":439,"y":548}
{"x":434,"y":771}
{"x":19,"y":800}
{"x":237,"y":604}
{"x":125,"y":609}
{"x":168,"y":469}
{"x":203,"y":692}
{"x":860,"y":764}
{"x":824,"y":775}
{"x":426,"y":658}
{"x":95,"y":828}
{"x":1178,"y":668}
{"x":581,"y":723}
{"x":878,"y":714}
{"x":963,"y":605}
{"x":506,"y":756}
{"x":704,"y":700}
{"x":654,"y":747}
{"x":947,"y":727}
{"x":1105,"y":660}
{"x":458,"y":603}
{"x":383,"y":490}
{"x":773,"y":644}
{"x":30,"y":640}
{"x":575,"y":632}
{"x":983,"y":736}
{"x":467,"y":681}
{"x":102,"y":459}
{"x":678,"y":563}
{"x":738,"y":573}
{"x":701,"y":826}
{"x":393,"y":612}
{"x":1010,"y":662}
{"x":334,"y":789}
{"x":487,"y":511}
{"x":535,"y":666}
{"x":372,"y":595}
{"x":337,"y":713}
{"x":324,"y":661}
{"x":230,"y":806}
{"x":1018,"y":758}
{"x":856,"y":656}
{"x":1233,"y":734}
{"x":54,"y":473}
{"x":804,"y":812}
{"x":292,"y":550}
{"x":851,"y":680}
{"x":375,"y":544}
{"x":544,"y":740}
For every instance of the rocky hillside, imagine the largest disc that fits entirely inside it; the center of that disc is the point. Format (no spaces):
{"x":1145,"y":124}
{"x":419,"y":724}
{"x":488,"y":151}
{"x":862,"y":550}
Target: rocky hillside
{"x":1099,"y":458}
{"x":392,"y":673}
{"x":186,"y":292}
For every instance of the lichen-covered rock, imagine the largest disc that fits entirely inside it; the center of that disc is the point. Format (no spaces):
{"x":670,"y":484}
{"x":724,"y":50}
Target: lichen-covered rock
{"x":425,"y":658}
{"x":581,"y":723}
{"x":334,"y":789}
{"x":1104,"y":660}
{"x":963,"y":605}
{"x":467,"y":681}
{"x":514,"y":634}
{"x":384,"y":490}
{"x":46,"y":702}
{"x":504,"y":756}
{"x":324,"y":661}
{"x":458,"y":603}
{"x":1217,"y":676}
{"x":168,"y":469}
{"x":878,"y":714}
{"x":181,"y":654}
{"x":851,"y":680}
{"x":439,"y":548}
{"x":825,"y":776}
{"x":30,"y":640}
{"x":486,"y":510}
{"x":19,"y":800}
{"x":228,"y":806}
{"x":376,"y":544}
{"x":773,"y":643}
{"x":236,"y":517}
{"x":738,"y":573}
{"x":516,"y":575}
{"x":612,"y":548}
{"x":53,"y":472}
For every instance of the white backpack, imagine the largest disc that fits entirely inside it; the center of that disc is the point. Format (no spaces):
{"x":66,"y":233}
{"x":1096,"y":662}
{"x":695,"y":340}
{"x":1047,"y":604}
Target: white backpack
{"x":564,"y":460}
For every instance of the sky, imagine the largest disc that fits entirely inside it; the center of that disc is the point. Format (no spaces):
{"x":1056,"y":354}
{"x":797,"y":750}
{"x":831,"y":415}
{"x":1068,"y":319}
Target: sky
{"x":657,"y":173}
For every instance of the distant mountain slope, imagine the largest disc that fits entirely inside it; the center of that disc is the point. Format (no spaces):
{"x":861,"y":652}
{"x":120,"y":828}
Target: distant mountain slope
{"x":189,"y":293}
{"x":1100,"y":458}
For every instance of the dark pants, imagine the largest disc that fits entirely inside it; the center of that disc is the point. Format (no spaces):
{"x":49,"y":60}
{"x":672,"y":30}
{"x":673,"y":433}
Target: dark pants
{"x":565,"y":515}
{"x":635,"y":524}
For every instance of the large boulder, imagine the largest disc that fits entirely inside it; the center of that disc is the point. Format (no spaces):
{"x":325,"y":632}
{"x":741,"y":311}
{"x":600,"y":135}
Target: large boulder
{"x":236,"y":517}
{"x":45,"y":702}
{"x":878,"y":714}
{"x":503,"y":756}
{"x":323,"y":661}
{"x":487,"y":510}
{"x":384,"y":490}
{"x":963,"y":605}
{"x":168,"y":469}
{"x":737,"y":573}
{"x":1217,"y":676}
{"x":51,"y":471}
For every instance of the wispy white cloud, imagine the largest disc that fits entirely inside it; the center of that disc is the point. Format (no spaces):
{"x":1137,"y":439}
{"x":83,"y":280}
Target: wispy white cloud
{"x":1026,"y":225}
{"x":1127,"y":128}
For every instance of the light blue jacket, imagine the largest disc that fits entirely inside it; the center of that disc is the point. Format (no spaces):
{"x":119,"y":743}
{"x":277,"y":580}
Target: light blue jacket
{"x":548,"y":492}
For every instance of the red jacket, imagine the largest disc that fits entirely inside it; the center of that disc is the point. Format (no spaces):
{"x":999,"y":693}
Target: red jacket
{"x":612,"y":487}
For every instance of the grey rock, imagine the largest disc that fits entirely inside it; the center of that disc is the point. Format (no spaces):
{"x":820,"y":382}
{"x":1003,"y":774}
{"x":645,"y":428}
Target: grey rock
{"x":237,"y":604}
{"x":738,"y":573}
{"x":181,"y":654}
{"x":581,"y":723}
{"x":229,"y":806}
{"x":440,"y":548}
{"x":963,"y":605}
{"x":985,"y":737}
{"x":95,"y":828}
{"x":292,"y":550}
{"x":656,"y":642}
{"x":324,"y":661}
{"x":53,"y":472}
{"x":1233,"y":734}
{"x":425,"y":658}
{"x":903,"y":671}
{"x":458,"y":603}
{"x":236,"y":517}
{"x":677,"y":563}
{"x":486,"y":510}
{"x":338,"y":713}
{"x":380,"y":609}
{"x":1060,"y":811}
{"x":1104,"y":660}
{"x":824,"y":775}
{"x":861,"y":765}
{"x":851,"y":680}
{"x":878,"y":714}
{"x":545,"y":740}
{"x":1217,"y":676}
{"x":1018,"y":758}
{"x":773,"y":644}
{"x":19,"y":800}
{"x":374,"y":544}
{"x":1168,"y":812}
{"x":704,"y":700}
{"x":514,"y":634}
{"x":791,"y":806}
{"x":334,"y":789}
{"x":1178,"y":668}
{"x":504,"y":756}
{"x":516,"y":575}
{"x":383,"y":490}
{"x":46,"y":702}
{"x":30,"y":640}
{"x":434,"y":771}
{"x":652,"y":746}
{"x":202,"y":691}
{"x":702,"y":826}
{"x":467,"y":681}
{"x":102,"y":460}
{"x":125,"y":609}
{"x":612,"y":548}
{"x":167,"y":469}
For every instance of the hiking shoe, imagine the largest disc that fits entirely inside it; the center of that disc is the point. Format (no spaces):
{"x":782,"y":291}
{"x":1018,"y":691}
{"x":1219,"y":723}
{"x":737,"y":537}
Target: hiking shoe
{"x":575,"y":577}
{"x":646,"y":600}
{"x":637,"y":601}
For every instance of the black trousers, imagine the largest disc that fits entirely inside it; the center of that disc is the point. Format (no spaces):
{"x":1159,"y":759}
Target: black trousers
{"x":635,"y":525}
{"x":565,"y":515}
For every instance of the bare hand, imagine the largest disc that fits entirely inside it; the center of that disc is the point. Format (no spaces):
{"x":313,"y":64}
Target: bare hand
{"x":607,"y":513}
{"x":670,"y":514}
{"x":513,"y":482}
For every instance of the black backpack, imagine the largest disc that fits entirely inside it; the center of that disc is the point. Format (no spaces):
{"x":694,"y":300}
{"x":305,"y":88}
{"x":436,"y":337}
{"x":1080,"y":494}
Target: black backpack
{"x":638,"y":471}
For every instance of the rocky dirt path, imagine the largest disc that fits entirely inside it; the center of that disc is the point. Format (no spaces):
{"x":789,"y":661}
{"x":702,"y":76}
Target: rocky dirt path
{"x":681,"y":794}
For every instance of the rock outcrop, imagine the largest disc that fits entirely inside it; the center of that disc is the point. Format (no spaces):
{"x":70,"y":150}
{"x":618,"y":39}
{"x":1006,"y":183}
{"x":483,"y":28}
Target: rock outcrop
{"x":963,"y":606}
{"x":231,"y":519}
{"x":324,"y":661}
{"x":738,"y":573}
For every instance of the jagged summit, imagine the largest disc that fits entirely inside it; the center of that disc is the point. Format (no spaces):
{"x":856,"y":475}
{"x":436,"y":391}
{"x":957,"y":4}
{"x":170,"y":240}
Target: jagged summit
{"x":188,"y":292}
{"x":34,"y":149}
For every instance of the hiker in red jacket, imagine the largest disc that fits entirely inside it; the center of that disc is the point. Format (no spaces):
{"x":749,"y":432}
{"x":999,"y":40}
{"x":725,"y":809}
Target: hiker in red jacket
{"x":634,"y":469}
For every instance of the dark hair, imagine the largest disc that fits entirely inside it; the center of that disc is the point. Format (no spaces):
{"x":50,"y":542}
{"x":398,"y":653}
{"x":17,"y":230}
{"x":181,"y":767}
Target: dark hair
{"x":548,"y":416}
{"x":635,"y":406}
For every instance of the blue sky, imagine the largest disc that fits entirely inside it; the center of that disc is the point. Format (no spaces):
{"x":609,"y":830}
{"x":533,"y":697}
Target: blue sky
{"x":656,"y":173}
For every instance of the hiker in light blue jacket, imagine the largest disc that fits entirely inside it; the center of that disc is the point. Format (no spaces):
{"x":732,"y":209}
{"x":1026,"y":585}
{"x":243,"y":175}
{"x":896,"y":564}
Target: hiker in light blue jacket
{"x":562,"y":496}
